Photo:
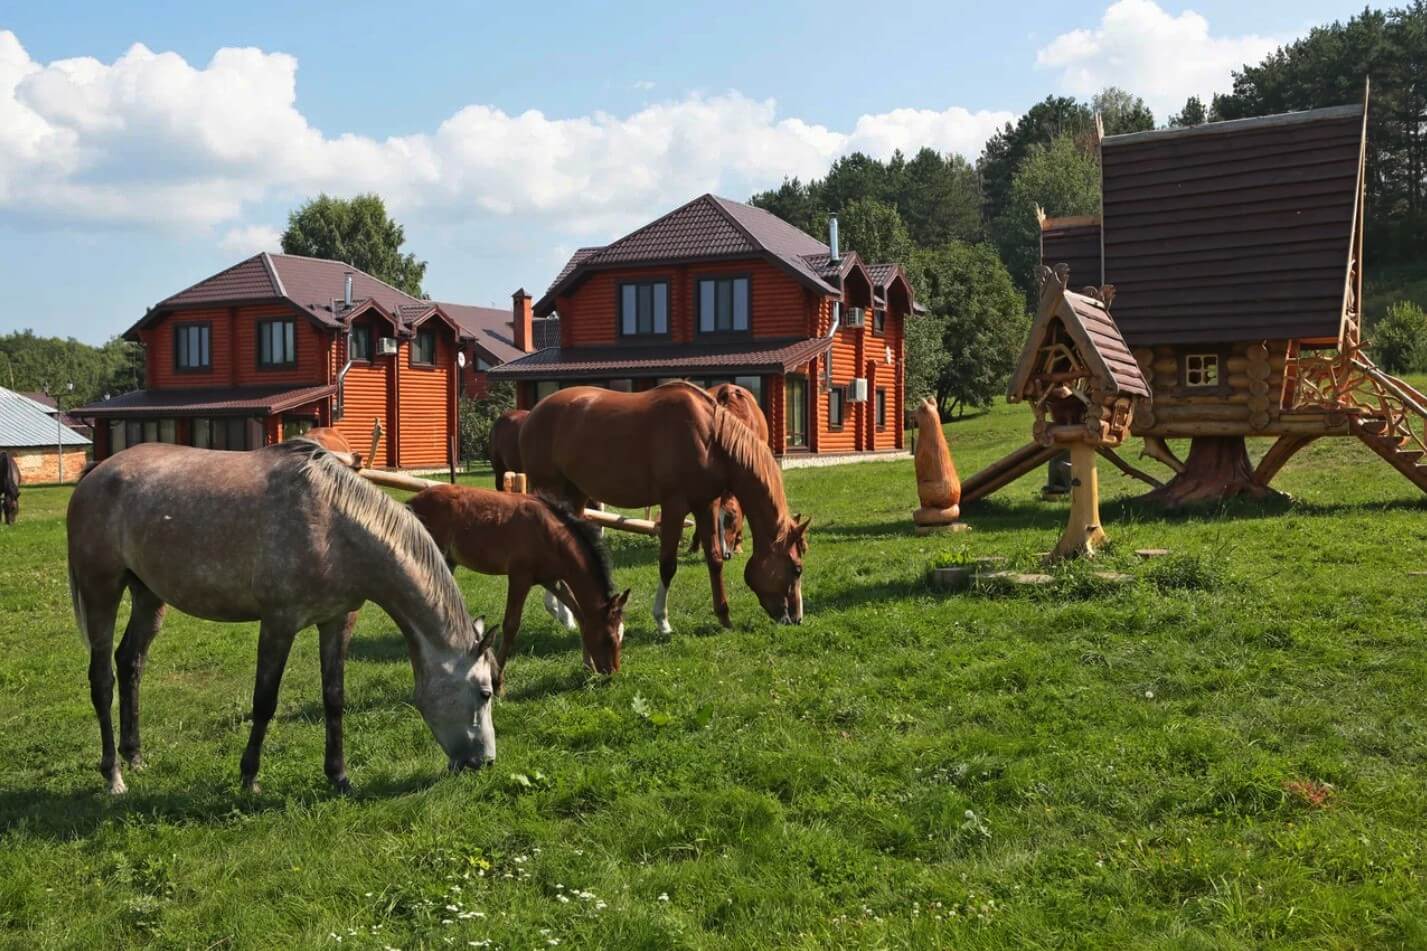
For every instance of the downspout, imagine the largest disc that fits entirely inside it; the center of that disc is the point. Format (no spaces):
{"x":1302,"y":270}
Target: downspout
{"x":833,"y":257}
{"x":340,"y":409}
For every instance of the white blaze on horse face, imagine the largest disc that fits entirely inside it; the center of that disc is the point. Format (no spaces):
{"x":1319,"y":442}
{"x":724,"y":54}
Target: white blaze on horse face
{"x":798,"y":602}
{"x":619,"y":633}
{"x":661,"y":609}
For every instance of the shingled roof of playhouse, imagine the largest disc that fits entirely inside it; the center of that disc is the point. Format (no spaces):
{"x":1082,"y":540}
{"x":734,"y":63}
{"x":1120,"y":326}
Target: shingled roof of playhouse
{"x":1227,"y":231}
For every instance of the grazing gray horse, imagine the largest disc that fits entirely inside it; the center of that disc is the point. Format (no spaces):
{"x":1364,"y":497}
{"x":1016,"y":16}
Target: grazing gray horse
{"x":9,"y":488}
{"x":290,"y":537}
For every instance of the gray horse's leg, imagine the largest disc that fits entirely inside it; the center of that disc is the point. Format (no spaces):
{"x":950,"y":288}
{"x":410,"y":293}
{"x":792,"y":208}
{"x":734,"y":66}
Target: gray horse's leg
{"x":146,"y":615}
{"x":274,"y":643}
{"x":96,"y":604}
{"x":333,"y":638}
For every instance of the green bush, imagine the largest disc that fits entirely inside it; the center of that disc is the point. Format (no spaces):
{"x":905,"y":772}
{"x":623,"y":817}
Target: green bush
{"x":477,"y":417}
{"x":1399,"y":339}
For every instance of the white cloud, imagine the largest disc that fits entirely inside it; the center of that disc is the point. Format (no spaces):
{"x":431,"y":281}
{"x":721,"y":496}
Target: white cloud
{"x":1163,"y":58}
{"x":250,"y":239}
{"x":153,"y":140}
{"x":643,"y":85}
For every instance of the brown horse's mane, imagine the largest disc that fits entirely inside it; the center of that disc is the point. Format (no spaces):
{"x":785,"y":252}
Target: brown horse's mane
{"x":747,"y":449}
{"x":334,"y":485}
{"x":587,"y":536}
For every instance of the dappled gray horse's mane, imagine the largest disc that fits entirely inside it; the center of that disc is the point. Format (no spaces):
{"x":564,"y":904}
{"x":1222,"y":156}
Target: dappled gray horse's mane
{"x":372,"y":510}
{"x":588,"y":536}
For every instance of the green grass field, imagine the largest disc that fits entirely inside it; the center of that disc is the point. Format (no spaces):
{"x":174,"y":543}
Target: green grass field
{"x":1231,"y":753}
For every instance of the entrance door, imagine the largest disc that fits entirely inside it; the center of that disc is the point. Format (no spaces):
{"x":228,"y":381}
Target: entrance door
{"x":796,"y":412}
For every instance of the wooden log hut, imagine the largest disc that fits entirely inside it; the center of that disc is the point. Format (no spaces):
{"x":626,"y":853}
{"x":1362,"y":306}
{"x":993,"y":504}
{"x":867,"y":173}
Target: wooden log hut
{"x":1236,"y":252}
{"x":1083,"y":384}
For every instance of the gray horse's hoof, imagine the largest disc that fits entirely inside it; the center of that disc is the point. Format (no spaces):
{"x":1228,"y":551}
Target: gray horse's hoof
{"x":342,"y":786}
{"x":116,"y":785}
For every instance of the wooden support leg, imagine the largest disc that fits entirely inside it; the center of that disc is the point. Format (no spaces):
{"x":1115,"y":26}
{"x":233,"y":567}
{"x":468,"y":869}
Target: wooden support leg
{"x":1128,"y":469}
{"x":1283,"y":449}
{"x":1083,"y":534}
{"x":1157,"y":448}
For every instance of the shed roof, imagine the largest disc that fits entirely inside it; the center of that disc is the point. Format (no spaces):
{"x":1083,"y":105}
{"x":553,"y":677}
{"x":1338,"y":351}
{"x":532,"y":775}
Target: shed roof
{"x":1097,"y":340}
{"x":26,"y":424}
{"x":211,"y":401}
{"x":1239,"y":230}
{"x":753,"y":356}
{"x":707,"y":228}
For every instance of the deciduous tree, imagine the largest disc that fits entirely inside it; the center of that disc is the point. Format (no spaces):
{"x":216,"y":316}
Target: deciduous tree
{"x":357,"y":231}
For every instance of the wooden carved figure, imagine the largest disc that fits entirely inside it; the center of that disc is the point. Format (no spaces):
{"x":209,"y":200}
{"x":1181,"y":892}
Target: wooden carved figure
{"x":938,"y":488}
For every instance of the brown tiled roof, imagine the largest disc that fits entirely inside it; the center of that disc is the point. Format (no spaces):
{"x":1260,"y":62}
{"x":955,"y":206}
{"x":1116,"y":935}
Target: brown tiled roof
{"x":1074,"y":242}
{"x":753,"y":356}
{"x":1236,"y":230}
{"x":223,"y":401}
{"x":708,"y":227}
{"x":575,"y":259}
{"x":489,"y":327}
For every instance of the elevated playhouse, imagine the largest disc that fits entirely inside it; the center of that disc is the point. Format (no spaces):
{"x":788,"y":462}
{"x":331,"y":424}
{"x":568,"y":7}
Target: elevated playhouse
{"x":1235,"y":250}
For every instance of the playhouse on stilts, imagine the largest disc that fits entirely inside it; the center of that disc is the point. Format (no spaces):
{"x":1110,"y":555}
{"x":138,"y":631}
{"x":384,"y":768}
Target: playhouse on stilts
{"x":1236,"y":249}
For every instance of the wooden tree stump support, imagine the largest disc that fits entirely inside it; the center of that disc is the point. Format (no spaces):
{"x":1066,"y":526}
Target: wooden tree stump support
{"x":1217,"y":468}
{"x":1083,"y":534}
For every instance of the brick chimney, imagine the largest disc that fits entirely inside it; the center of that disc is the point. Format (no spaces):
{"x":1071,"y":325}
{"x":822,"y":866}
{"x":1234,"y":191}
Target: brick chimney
{"x":520,"y":321}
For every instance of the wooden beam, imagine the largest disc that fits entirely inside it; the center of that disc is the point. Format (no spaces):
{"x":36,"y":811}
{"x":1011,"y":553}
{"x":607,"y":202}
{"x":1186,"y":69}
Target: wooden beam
{"x":1128,"y":469}
{"x":1278,"y":454}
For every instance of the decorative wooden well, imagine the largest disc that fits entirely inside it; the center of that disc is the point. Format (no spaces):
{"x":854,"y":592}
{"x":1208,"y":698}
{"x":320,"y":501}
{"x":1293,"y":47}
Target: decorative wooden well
{"x":1082,"y":382}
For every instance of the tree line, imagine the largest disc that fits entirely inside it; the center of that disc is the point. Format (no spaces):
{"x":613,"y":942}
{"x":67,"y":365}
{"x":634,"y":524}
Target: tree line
{"x":70,"y":370}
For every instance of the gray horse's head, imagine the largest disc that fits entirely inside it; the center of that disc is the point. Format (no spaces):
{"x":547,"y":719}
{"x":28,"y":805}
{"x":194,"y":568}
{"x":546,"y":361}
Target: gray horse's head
{"x":454,"y":698}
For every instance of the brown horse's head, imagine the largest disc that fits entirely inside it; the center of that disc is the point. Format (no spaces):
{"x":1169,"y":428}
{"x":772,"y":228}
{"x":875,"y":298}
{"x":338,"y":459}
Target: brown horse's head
{"x":775,"y":572}
{"x":454,"y":697}
{"x":602,"y":632}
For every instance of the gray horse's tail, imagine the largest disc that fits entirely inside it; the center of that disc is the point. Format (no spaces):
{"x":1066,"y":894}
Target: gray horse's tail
{"x":76,"y":598}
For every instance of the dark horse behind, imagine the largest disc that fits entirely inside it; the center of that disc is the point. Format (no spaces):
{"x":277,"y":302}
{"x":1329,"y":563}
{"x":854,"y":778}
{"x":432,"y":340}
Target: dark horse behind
{"x":9,"y":488}
{"x":289,"y":536}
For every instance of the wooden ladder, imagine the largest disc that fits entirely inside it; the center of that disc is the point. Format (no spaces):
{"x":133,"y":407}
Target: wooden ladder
{"x":1393,"y":422}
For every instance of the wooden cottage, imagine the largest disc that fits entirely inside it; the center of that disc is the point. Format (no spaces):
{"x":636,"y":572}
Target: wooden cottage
{"x":1236,"y":252}
{"x":279,"y":343}
{"x":718,"y":291}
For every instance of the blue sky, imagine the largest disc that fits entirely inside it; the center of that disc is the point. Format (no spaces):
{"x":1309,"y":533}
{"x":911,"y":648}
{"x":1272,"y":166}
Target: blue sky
{"x":504,"y":138}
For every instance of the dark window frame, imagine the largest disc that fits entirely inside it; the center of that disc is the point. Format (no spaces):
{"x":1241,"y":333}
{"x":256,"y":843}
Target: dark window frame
{"x":428,"y":333}
{"x":804,"y":383}
{"x":207,"y":327}
{"x":1219,"y":388}
{"x":262,"y":330}
{"x":365,"y":329}
{"x":698,"y":300}
{"x":841,"y":403}
{"x":881,"y":409}
{"x":653,"y":336}
{"x":879,"y":321}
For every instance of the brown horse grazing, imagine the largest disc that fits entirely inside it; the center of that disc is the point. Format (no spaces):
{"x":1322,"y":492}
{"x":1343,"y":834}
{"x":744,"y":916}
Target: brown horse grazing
{"x":288,"y":536}
{"x":334,"y":442}
{"x":744,"y":405}
{"x":530,"y":541}
{"x":676,"y":447}
{"x":9,"y":488}
{"x":504,"y":449}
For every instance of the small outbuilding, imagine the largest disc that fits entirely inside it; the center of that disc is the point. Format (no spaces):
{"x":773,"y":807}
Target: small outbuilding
{"x":44,"y":449}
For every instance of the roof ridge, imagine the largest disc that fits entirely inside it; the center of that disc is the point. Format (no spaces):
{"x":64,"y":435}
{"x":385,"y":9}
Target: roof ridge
{"x":274,"y":276}
{"x":1292,"y":117}
{"x":220,"y":273}
{"x":706,"y":197}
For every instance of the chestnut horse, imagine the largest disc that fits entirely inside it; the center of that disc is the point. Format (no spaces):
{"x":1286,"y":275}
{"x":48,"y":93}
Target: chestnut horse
{"x":9,"y":488}
{"x":504,"y":449}
{"x":676,"y":447}
{"x":530,"y":541}
{"x":334,"y":442}
{"x":744,"y":405}
{"x":286,"y":535}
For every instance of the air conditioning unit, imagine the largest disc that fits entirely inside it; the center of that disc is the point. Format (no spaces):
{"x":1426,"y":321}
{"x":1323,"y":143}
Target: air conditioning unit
{"x":386,"y":346}
{"x":856,"y":317}
{"x":857,"y":392}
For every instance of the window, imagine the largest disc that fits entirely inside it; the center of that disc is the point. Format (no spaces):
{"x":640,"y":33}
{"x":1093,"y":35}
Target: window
{"x":796,"y":413}
{"x":881,"y":408}
{"x":723,"y":305}
{"x":836,"y":406}
{"x":622,"y":386}
{"x":294,"y":426}
{"x":277,"y":343}
{"x":545,"y":388}
{"x":644,"y":309}
{"x":482,"y":364}
{"x":361,"y":343}
{"x":879,"y":322}
{"x":423,"y":348}
{"x":753,"y":384}
{"x":117,"y":436}
{"x":1201,"y":369}
{"x":223,"y":432}
{"x":136,"y":431}
{"x":190,"y":347}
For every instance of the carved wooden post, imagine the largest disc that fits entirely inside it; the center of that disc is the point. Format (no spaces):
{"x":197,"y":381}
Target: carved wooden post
{"x":376,"y":438}
{"x":1083,"y":534}
{"x":938,"y":488}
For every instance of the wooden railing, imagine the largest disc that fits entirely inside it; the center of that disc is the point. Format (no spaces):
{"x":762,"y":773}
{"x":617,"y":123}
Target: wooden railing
{"x":1351,"y":383}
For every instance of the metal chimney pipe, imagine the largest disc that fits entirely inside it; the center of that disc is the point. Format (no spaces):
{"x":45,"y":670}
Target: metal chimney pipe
{"x":347,"y":289}
{"x":833,"y":255}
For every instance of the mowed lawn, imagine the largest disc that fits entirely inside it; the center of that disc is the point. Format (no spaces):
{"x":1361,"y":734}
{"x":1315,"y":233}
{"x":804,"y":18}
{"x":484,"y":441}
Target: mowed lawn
{"x":1229,"y":753}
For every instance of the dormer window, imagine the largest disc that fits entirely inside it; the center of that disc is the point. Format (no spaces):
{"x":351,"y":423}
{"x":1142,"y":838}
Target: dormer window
{"x":879,"y":321}
{"x":1201,"y":369}
{"x":423,"y":348}
{"x":361,"y":343}
{"x":723,"y":305}
{"x":644,"y":309}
